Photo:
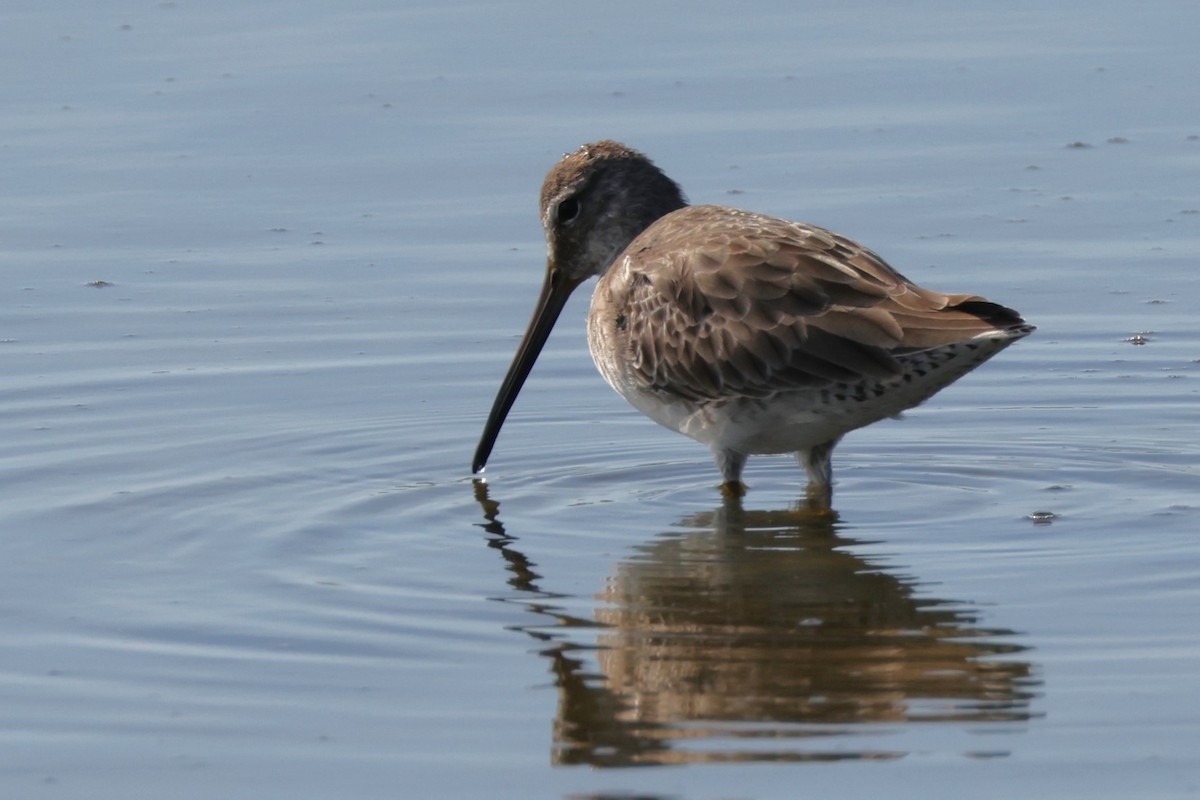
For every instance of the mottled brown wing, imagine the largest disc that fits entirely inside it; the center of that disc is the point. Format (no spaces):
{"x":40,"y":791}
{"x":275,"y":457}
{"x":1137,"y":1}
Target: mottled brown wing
{"x":723,"y":303}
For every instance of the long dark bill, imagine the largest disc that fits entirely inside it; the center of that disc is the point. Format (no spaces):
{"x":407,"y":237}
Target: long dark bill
{"x":555,"y":291}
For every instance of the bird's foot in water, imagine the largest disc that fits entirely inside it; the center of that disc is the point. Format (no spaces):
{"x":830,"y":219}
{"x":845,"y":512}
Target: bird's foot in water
{"x":733,"y":489}
{"x":818,"y":500}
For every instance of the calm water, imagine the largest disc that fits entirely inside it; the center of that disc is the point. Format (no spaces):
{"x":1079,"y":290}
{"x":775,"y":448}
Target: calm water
{"x":263,"y":267}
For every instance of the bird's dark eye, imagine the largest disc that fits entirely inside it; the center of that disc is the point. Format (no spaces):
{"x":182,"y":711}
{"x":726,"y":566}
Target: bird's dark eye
{"x":567,"y":210}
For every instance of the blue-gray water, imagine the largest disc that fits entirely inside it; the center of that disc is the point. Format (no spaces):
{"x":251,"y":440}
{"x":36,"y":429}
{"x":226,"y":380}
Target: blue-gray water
{"x":263,"y":266}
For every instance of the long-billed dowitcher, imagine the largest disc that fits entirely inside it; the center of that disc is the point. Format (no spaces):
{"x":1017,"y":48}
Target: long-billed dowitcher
{"x":749,"y":333}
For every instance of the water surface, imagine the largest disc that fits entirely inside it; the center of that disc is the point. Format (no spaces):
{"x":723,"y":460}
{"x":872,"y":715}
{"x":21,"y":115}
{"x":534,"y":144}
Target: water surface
{"x":264,"y":266}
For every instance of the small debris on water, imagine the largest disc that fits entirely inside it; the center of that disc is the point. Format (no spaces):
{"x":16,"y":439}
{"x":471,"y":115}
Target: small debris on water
{"x":1042,"y":517}
{"x":99,"y":284}
{"x":1138,"y":339}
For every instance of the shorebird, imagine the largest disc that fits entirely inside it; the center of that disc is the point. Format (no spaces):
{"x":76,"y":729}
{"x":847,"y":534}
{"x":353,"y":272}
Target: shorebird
{"x":749,"y":333}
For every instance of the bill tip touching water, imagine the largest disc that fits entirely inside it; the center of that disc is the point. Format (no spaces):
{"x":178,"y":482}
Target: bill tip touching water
{"x":749,"y":333}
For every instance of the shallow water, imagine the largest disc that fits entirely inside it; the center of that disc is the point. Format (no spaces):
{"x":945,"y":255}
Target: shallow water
{"x":265,"y":266}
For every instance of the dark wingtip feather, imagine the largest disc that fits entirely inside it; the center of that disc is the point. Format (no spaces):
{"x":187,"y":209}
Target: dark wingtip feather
{"x":995,"y":314}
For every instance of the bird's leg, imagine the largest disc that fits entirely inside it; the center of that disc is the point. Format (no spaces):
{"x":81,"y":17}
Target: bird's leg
{"x":730,"y":462}
{"x":818,"y":463}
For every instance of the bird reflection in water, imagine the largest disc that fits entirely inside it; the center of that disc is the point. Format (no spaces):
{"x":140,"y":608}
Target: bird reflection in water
{"x":749,"y":635}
